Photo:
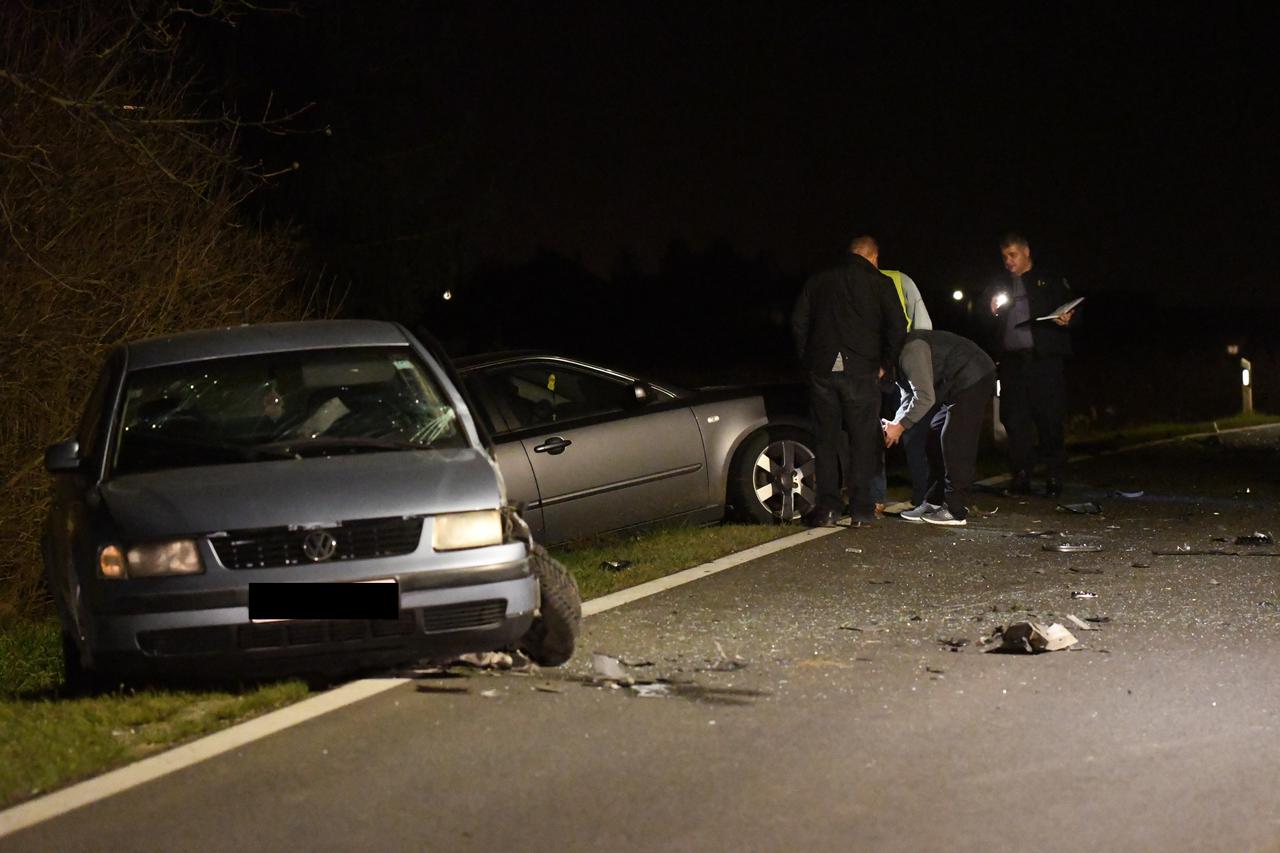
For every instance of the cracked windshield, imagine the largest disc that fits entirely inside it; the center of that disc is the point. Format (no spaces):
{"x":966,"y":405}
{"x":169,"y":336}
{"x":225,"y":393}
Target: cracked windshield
{"x":286,"y":405}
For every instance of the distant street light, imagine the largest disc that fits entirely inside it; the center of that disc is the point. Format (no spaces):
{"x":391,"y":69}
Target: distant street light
{"x":1233,"y":349}
{"x":958,"y":295}
{"x":447,"y":295}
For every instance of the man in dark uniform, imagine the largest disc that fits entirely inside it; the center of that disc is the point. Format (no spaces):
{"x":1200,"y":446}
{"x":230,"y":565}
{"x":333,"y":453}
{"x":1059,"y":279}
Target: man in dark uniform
{"x":950,"y":380}
{"x":1030,"y":353}
{"x":848,"y":326}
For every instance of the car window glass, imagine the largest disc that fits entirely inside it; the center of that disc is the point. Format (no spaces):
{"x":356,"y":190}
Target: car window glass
{"x":537,"y":395}
{"x":281,"y":405}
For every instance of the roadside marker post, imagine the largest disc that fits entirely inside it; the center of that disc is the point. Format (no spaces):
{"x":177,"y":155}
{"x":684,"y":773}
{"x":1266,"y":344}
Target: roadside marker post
{"x":1246,"y":386}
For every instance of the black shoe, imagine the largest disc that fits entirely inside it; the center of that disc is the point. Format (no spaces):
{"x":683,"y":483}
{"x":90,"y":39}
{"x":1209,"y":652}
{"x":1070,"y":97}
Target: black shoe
{"x":1019,"y":485}
{"x":1053,"y":487}
{"x":820,"y":518}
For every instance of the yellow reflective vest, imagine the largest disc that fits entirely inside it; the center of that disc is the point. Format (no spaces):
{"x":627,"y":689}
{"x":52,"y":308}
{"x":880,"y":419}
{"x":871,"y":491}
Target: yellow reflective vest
{"x":902,"y":297}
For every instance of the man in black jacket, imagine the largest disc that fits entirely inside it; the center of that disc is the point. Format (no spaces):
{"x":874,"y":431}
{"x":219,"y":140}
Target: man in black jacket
{"x":950,"y":380}
{"x":1030,"y":353}
{"x":848,"y":327}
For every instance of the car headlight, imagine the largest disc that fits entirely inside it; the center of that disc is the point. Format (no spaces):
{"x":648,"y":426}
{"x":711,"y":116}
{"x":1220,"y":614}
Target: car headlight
{"x":458,"y":530}
{"x":111,"y":562}
{"x":178,"y":557}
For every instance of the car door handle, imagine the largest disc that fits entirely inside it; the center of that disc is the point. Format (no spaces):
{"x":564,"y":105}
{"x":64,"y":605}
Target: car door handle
{"x":554,"y":446}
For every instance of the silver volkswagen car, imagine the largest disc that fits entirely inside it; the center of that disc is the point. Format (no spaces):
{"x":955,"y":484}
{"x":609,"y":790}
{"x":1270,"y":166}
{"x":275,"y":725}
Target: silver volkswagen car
{"x":295,"y":497}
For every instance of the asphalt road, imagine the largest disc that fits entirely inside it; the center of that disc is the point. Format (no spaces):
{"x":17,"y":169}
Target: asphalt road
{"x":812,"y":703}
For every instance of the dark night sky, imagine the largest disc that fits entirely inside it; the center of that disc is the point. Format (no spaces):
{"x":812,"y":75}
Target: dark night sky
{"x":1136,"y":149}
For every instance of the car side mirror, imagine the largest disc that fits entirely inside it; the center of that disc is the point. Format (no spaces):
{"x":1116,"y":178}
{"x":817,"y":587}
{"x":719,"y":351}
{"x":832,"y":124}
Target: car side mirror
{"x":63,"y":457}
{"x":642,"y":394}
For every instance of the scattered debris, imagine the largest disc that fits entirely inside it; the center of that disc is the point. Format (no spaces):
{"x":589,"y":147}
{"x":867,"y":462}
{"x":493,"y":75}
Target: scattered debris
{"x":1255,"y":538}
{"x":616,"y":565}
{"x":495,"y":660}
{"x":651,"y":690}
{"x":1140,"y":565}
{"x":725,"y":663}
{"x":879,"y":582}
{"x":853,"y":550}
{"x":1086,"y":508}
{"x":547,"y":688}
{"x":1081,"y":624}
{"x":1117,"y":493}
{"x":489,"y":694}
{"x":635,"y":664}
{"x":1035,"y":637}
{"x":610,"y":669}
{"x":1188,"y":551}
{"x":1039,"y":534}
{"x":933,"y":670}
{"x":850,"y":628}
{"x":1098,"y":620}
{"x":1079,"y":571}
{"x":1071,"y":547}
{"x":1080,"y":593}
{"x":1214,"y":582}
{"x":954,"y":644}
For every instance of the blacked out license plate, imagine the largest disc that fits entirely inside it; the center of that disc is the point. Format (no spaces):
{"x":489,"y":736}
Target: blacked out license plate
{"x":360,"y":600}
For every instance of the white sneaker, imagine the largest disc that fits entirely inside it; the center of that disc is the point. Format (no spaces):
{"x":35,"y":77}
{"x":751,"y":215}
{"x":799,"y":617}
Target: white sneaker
{"x":942,"y":515}
{"x":917,"y":515}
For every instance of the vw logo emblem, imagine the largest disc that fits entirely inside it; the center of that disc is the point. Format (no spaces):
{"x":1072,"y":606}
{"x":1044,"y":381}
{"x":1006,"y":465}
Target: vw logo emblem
{"x":319,"y":545}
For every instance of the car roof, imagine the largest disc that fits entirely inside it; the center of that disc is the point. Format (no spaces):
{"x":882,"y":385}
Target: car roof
{"x":262,"y":338}
{"x":465,"y":363}
{"x":470,"y":363}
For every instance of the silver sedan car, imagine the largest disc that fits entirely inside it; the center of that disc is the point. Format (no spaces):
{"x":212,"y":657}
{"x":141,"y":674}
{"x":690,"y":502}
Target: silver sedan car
{"x":289,"y":497}
{"x":588,"y":449}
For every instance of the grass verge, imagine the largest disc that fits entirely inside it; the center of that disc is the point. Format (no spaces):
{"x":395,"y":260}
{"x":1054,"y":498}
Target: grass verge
{"x":48,"y":740}
{"x":1115,"y":439}
{"x":657,"y":553}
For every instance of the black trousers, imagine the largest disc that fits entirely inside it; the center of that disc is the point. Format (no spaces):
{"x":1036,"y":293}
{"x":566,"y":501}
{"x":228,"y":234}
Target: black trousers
{"x":914,"y":443}
{"x":954,"y":431}
{"x":1033,"y":403}
{"x":850,"y":400}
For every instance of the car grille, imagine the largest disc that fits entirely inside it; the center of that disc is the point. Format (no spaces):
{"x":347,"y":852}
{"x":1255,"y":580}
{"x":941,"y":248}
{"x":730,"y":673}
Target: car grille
{"x":273,"y":547}
{"x":286,"y":635}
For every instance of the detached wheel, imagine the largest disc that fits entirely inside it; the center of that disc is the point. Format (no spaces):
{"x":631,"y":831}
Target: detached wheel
{"x":554,"y":631}
{"x":773,"y":480}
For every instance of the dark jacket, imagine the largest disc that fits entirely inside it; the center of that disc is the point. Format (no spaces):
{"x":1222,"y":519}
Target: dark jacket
{"x":1045,"y":292}
{"x":937,"y":366}
{"x":853,"y":310}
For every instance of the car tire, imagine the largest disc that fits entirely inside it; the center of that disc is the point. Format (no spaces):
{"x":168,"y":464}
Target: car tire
{"x":756,"y":490}
{"x":77,"y":679}
{"x":551,"y":637}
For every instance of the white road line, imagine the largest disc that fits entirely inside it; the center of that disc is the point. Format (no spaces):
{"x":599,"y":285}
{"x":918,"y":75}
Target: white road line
{"x":117,"y":781}
{"x":101,"y":787}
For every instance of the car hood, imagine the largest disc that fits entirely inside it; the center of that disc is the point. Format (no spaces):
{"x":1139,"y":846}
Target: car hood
{"x":319,"y":490}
